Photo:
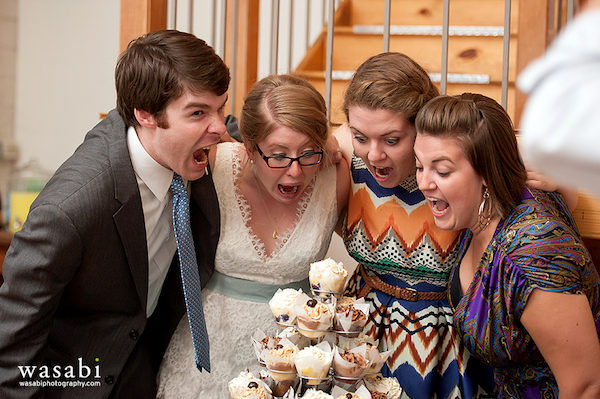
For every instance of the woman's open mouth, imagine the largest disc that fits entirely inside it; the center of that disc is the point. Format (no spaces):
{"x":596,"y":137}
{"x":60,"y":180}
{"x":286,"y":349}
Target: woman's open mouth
{"x":438,"y":206}
{"x":288,"y":190}
{"x":382,"y":173}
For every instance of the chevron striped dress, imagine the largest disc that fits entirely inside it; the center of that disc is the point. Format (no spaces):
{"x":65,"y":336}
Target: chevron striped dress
{"x":392,"y":234}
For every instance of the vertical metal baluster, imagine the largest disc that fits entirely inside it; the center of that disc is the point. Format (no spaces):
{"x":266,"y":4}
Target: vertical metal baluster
{"x":329,"y":62}
{"x":223,"y":27}
{"x":307,"y":24}
{"x":291,"y":36}
{"x":386,"y":26}
{"x":445,"y":34}
{"x":172,"y":24}
{"x":233,"y":66}
{"x":191,"y":17}
{"x":505,"y":55}
{"x":213,"y":32}
{"x":570,"y":8}
{"x":274,"y":35}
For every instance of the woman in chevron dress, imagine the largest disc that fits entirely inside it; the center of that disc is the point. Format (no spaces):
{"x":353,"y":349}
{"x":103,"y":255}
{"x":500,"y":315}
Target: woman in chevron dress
{"x":404,"y":258}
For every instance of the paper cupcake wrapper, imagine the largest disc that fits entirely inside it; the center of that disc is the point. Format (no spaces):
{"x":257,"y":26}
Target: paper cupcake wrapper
{"x":343,"y":321}
{"x":377,"y":360}
{"x":361,"y":391}
{"x":313,"y":368}
{"x":348,"y":370}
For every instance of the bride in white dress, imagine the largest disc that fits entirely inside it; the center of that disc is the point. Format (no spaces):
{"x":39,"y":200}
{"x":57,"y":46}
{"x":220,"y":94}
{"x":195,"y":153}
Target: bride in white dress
{"x":279,"y":205}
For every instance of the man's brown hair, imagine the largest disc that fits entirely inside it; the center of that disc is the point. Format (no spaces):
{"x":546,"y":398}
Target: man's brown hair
{"x":158,"y":67}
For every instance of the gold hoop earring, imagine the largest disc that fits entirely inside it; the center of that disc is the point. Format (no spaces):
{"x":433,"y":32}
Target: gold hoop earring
{"x":485,"y":215}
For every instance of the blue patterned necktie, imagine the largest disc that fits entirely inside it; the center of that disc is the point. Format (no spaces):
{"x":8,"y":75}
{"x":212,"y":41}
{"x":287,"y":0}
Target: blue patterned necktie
{"x":189,"y":272}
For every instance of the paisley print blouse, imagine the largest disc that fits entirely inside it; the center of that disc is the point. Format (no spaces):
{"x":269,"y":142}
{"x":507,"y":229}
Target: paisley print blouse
{"x":536,"y":247}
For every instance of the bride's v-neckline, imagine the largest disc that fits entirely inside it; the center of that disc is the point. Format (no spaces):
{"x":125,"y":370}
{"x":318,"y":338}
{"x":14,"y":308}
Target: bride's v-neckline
{"x":246,"y":212}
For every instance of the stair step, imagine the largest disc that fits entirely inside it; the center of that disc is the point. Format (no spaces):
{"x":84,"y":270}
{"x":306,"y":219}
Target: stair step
{"x":430,"y":12}
{"x":338,"y":88}
{"x":429,"y":30}
{"x":466,"y":54}
{"x":434,"y":76}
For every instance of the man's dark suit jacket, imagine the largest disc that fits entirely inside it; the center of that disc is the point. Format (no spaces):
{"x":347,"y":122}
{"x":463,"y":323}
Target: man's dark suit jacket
{"x":76,"y":277}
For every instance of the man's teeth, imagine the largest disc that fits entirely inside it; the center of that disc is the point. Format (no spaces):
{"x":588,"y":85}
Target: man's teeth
{"x":201,"y":156}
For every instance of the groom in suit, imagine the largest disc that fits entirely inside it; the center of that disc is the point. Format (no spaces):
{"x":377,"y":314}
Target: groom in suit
{"x":92,"y":290}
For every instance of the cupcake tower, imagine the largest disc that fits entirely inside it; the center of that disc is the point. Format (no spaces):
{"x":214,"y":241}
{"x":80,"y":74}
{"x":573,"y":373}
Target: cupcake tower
{"x":321,"y":343}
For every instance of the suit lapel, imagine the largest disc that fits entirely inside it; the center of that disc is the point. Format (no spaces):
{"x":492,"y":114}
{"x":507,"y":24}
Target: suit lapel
{"x":129,"y":218}
{"x":205,"y":224}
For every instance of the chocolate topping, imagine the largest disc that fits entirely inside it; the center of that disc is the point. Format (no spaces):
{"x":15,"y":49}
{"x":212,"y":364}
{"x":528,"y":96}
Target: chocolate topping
{"x":252,"y":385}
{"x":349,"y":395}
{"x":312,"y":303}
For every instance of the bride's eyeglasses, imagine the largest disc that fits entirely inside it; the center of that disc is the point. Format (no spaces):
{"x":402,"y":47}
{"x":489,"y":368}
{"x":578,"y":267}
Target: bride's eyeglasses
{"x":307,"y":158}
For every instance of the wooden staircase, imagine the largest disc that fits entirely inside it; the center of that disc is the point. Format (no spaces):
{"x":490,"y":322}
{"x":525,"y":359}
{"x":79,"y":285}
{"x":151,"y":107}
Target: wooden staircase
{"x":474,"y":53}
{"x":474,"y":46}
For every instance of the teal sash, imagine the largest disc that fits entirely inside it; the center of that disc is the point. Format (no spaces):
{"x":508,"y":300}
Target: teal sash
{"x":247,"y":290}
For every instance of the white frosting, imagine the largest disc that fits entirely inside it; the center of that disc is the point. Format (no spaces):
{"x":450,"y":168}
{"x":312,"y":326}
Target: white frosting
{"x":387,"y":385}
{"x":329,"y":274}
{"x":238,"y":387}
{"x":312,"y":352}
{"x":314,"y":394}
{"x":284,"y":298}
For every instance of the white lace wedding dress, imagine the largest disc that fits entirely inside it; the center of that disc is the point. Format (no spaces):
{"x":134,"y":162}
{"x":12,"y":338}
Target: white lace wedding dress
{"x":231,"y":322}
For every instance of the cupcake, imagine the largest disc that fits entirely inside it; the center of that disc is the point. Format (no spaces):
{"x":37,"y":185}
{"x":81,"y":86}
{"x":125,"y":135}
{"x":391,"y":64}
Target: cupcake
{"x":377,"y":359}
{"x":327,"y":276}
{"x":383,"y":387}
{"x":280,"y":361}
{"x":350,"y":316}
{"x":350,"y":365}
{"x":279,"y":388}
{"x":262,"y":341}
{"x":349,"y":395}
{"x":314,"y":394}
{"x":282,"y":306}
{"x":246,"y":386}
{"x":314,"y":317}
{"x":362,"y":338}
{"x":361,"y":393}
{"x":313,"y":362}
{"x":295,"y":337}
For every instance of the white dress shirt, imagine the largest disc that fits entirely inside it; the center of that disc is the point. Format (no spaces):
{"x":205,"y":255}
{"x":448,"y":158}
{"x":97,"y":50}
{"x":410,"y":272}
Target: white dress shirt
{"x":154,"y":182}
{"x":560,"y":128}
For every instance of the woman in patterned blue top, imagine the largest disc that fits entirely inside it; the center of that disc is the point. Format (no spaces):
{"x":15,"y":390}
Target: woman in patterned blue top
{"x":525,"y":293}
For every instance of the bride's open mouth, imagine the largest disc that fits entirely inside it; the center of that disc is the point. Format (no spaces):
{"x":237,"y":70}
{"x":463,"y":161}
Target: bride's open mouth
{"x":288,"y":190}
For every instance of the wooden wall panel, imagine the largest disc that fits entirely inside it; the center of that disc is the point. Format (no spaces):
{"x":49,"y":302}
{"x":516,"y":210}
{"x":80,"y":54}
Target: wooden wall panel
{"x":139,"y":17}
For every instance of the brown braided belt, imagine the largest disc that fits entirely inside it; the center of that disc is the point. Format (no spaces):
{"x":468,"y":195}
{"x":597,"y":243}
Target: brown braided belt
{"x":408,"y":294}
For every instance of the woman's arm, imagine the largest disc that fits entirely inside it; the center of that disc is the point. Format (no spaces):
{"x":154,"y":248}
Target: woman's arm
{"x":342,"y":192}
{"x":562,"y":327}
{"x":344,"y":138}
